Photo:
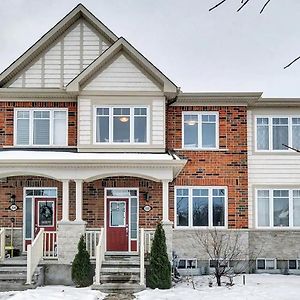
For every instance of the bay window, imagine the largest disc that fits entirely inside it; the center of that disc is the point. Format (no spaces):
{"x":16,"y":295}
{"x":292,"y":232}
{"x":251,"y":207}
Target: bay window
{"x":121,"y":125}
{"x":200,"y":130}
{"x":200,"y":207}
{"x":278,"y":208}
{"x":272,"y":133}
{"x":41,"y":127}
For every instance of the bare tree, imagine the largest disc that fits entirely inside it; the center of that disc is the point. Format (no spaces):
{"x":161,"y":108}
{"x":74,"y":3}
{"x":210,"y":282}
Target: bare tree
{"x":228,"y":252}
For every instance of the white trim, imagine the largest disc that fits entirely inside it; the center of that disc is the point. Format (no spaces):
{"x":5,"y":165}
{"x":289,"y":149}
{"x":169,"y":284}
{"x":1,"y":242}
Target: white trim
{"x":200,"y":113}
{"x":265,"y":259}
{"x":110,"y":118}
{"x":210,"y":212}
{"x":51,"y":122}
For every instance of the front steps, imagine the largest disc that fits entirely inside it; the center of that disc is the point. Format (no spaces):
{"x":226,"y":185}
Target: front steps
{"x":120,"y":273}
{"x":13,"y":274}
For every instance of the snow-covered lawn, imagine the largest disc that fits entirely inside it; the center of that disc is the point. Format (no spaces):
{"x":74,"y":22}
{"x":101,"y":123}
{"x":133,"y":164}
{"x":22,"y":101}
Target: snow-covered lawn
{"x":54,"y":293}
{"x":258,"y":287}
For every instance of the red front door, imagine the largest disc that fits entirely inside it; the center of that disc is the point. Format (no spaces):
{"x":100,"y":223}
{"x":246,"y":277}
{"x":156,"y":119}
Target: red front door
{"x":117,"y":225}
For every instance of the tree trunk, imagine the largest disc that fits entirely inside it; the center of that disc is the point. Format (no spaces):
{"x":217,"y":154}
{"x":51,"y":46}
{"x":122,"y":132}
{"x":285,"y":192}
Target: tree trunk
{"x":218,"y":280}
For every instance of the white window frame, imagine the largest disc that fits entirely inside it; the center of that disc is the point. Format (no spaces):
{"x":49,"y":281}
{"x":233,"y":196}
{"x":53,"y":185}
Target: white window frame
{"x":110,"y":116}
{"x":200,"y":114}
{"x":210,"y":207}
{"x":270,"y":126}
{"x":265,"y":259}
{"x":271,"y":206}
{"x":31,"y":118}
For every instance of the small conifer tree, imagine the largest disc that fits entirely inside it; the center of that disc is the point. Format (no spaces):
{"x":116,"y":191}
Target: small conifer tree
{"x":159,"y":275}
{"x":82,"y":272}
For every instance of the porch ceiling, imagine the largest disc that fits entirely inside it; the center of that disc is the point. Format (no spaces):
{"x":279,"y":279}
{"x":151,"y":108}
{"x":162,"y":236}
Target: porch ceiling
{"x":90,"y":166}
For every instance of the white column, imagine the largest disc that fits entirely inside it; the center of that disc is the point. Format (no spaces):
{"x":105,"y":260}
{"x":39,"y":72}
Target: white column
{"x":165,"y":196}
{"x":65,"y":200}
{"x":79,"y":184}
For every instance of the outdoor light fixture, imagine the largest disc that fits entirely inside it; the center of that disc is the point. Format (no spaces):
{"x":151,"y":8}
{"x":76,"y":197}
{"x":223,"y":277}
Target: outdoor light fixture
{"x":13,"y":199}
{"x":124,"y":119}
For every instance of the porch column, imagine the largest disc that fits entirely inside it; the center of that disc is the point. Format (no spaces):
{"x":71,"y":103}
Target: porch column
{"x":65,"y":200}
{"x":79,"y":183}
{"x":165,"y":198}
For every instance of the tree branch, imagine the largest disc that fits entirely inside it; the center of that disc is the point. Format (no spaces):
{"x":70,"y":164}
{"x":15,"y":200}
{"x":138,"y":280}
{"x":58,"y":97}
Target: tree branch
{"x":212,"y":8}
{"x":292,"y":62}
{"x":264,"y":6}
{"x":289,"y":147}
{"x":243,"y":5}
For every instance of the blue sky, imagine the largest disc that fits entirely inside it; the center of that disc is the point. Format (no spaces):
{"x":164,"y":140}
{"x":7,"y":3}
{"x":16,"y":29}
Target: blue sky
{"x":199,"y":50}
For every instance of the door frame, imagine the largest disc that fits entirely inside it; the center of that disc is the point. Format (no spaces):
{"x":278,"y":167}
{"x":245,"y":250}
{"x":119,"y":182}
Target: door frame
{"x":33,"y":210}
{"x":129,"y":213}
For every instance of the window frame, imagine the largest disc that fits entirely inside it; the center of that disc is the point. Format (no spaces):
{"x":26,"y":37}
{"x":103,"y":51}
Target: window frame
{"x":265,"y":259}
{"x":131,"y":127}
{"x":31,"y":126}
{"x":200,"y":113}
{"x":271,"y":209}
{"x":210,"y":207}
{"x":270,"y":127}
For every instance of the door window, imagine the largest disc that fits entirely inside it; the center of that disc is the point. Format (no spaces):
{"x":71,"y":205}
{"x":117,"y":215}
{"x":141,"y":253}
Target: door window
{"x":117,"y":214}
{"x":45,"y":211}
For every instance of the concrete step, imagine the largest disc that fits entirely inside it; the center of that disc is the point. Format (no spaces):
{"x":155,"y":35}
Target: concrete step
{"x":118,"y":287}
{"x":121,"y":278}
{"x":6,"y":286}
{"x":120,"y":270}
{"x":14,"y":262}
{"x":12,"y":269}
{"x":12,"y":276}
{"x":121,"y":263}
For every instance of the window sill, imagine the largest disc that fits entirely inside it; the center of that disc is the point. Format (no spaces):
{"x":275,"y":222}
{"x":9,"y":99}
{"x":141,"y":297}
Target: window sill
{"x":202,"y":149}
{"x":200,"y":228}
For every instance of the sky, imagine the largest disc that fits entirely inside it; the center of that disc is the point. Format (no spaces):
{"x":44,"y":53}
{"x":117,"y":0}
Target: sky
{"x":200,"y":51}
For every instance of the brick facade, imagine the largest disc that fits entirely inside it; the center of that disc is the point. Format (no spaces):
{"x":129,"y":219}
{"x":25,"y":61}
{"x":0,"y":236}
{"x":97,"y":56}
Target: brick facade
{"x":7,"y":119}
{"x":225,"y":167}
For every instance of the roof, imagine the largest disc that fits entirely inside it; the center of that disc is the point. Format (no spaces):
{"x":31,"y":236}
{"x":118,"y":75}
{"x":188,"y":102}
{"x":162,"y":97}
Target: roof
{"x":78,"y":12}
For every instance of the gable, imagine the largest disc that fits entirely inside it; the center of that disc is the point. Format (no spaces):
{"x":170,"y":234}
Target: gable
{"x":121,"y":73}
{"x":64,"y":59}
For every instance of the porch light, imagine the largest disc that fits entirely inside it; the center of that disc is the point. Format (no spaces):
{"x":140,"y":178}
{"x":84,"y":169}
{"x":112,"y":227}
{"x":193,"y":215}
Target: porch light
{"x":124,"y":119}
{"x":191,"y":123}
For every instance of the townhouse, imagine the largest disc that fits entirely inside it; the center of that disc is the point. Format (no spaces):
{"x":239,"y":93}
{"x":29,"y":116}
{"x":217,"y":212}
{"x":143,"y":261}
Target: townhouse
{"x":96,"y":140}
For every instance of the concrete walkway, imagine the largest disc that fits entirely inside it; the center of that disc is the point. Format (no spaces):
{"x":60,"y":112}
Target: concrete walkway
{"x":119,"y":297}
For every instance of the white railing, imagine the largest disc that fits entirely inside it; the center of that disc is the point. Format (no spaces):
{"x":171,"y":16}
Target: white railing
{"x":50,"y":245}
{"x":149,"y":236}
{"x":34,"y":254}
{"x":100,"y":253}
{"x":142,"y":257}
{"x":91,"y":241}
{"x":2,"y":244}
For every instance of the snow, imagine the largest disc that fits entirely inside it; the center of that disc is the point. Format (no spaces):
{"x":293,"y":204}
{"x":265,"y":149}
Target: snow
{"x":258,"y":287}
{"x":54,"y":293}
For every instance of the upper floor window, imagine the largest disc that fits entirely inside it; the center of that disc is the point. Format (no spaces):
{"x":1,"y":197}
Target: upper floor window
{"x":200,"y":207}
{"x":41,"y":127}
{"x":122,"y":125}
{"x":272,"y":133}
{"x":200,"y":130}
{"x":278,"y":208}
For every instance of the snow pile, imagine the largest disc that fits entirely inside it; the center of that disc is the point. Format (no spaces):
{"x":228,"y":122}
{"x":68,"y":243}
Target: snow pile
{"x":258,"y":287}
{"x":54,"y":293}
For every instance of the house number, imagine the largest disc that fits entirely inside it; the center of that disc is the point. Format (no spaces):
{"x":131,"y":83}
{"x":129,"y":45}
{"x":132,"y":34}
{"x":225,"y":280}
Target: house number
{"x":147,"y":208}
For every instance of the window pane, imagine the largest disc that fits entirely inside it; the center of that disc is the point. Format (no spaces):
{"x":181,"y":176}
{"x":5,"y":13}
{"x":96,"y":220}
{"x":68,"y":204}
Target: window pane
{"x":296,"y":132}
{"x":281,"y":208}
{"x":59,"y":128}
{"x":121,"y":130}
{"x":280,"y":133}
{"x":292,"y":264}
{"x":191,"y":131}
{"x":23,"y":131}
{"x":200,"y":211}
{"x":263,"y":212}
{"x":133,"y":212}
{"x":117,"y":214}
{"x":41,"y":131}
{"x":296,"y":207}
{"x":182,"y":211}
{"x":270,"y":264}
{"x":218,"y":207}
{"x":28,"y":216}
{"x":261,"y":264}
{"x":140,"y":129}
{"x":208,"y":135}
{"x":102,"y":111}
{"x":262,"y":134}
{"x":102,"y":129}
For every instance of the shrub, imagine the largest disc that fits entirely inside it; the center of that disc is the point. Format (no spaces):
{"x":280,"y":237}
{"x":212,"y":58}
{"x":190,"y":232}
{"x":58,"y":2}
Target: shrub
{"x":159,"y":275}
{"x":82,"y":272}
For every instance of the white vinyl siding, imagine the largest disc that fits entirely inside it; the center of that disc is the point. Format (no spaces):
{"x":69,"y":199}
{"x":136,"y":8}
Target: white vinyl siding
{"x":41,"y":127}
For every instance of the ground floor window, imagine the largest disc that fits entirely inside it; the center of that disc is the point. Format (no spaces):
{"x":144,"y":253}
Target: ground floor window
{"x":278,"y":207}
{"x":200,"y":206}
{"x":266,"y":264}
{"x":294,"y":264}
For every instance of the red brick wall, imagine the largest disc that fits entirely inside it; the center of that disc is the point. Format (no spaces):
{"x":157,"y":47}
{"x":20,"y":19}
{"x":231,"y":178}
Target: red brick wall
{"x":227,"y":167}
{"x":7,"y":119}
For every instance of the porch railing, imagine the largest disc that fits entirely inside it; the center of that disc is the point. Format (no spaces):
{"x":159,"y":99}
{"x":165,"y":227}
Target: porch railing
{"x":91,"y":240}
{"x":149,"y":236}
{"x":50,"y":245}
{"x":34,"y":254}
{"x":2,"y":244}
{"x":100,"y":254}
{"x":142,"y":256}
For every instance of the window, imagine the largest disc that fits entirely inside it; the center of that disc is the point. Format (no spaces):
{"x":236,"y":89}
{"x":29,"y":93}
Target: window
{"x":189,"y":263}
{"x":278,"y":208}
{"x":122,"y":125}
{"x":200,"y":207}
{"x":42,"y":127}
{"x":272,"y":133}
{"x":200,"y":130}
{"x":213,"y":263}
{"x":294,"y":264}
{"x":266,"y":264}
